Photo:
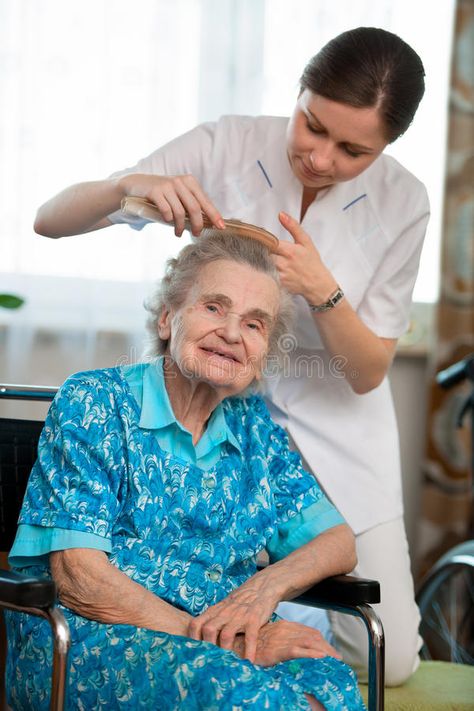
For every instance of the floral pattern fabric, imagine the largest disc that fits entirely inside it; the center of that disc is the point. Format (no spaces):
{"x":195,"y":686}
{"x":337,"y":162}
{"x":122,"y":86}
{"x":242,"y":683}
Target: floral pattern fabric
{"x":190,"y":536}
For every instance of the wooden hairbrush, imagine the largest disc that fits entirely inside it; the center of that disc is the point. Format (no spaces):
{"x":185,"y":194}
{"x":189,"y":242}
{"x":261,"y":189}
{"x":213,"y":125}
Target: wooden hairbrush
{"x":139,"y":207}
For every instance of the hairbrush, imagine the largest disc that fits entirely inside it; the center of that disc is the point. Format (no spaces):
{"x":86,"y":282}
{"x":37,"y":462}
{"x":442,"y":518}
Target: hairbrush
{"x":139,"y":207}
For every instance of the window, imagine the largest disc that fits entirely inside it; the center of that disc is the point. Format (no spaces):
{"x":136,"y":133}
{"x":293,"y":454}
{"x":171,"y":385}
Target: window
{"x":89,"y":87}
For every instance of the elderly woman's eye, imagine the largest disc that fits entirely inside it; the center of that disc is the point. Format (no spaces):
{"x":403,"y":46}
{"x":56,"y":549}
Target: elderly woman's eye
{"x":212,"y":308}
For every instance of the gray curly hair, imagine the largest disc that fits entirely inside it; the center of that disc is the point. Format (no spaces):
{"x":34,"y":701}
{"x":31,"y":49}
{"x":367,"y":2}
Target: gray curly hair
{"x":180,"y":276}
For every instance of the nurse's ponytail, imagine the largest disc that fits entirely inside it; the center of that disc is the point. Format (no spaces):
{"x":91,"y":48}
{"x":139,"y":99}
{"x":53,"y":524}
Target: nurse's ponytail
{"x":368,"y":67}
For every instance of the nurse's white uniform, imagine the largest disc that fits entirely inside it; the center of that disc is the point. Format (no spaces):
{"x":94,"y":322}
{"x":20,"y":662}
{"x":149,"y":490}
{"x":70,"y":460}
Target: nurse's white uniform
{"x":369,"y":232}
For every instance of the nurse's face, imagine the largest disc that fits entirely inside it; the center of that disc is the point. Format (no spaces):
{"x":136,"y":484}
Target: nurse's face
{"x":329,"y":142}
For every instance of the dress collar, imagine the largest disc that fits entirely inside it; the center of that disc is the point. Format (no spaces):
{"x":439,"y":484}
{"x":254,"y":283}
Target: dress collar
{"x":157,"y":413}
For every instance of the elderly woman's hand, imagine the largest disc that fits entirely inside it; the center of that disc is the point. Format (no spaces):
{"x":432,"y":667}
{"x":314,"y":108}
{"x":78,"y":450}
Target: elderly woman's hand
{"x":282,"y":640}
{"x":176,"y":197}
{"x":244,"y":611}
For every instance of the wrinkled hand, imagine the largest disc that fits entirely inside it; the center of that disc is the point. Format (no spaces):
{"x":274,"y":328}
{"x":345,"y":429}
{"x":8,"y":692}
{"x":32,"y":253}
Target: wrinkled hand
{"x":300,"y":265}
{"x":284,"y":640}
{"x":244,"y":611}
{"x":176,"y":197}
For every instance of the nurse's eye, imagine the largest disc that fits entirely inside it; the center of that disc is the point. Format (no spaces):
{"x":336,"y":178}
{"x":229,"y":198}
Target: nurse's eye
{"x":351,"y":153}
{"x":314,"y":129}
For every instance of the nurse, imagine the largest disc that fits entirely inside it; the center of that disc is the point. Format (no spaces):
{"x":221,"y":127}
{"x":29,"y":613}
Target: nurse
{"x":352,"y":222}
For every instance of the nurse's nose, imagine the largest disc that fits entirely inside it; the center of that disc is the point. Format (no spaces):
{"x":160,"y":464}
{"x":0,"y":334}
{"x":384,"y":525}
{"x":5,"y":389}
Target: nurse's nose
{"x":321,"y":159}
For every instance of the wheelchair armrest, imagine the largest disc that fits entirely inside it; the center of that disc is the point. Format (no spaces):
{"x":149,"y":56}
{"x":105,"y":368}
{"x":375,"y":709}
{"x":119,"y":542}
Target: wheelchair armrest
{"x":26,"y":590}
{"x":342,"y":590}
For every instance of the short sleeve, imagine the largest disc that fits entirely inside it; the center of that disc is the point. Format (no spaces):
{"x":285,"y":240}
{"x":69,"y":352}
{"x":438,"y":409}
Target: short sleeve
{"x":302,"y":509}
{"x":302,"y":528}
{"x":34,"y":543}
{"x":189,"y":154}
{"x":76,"y":482}
{"x":385,"y":308}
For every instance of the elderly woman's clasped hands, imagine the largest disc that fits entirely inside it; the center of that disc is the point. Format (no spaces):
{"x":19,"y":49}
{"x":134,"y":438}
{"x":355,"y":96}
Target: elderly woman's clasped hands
{"x":241,"y":622}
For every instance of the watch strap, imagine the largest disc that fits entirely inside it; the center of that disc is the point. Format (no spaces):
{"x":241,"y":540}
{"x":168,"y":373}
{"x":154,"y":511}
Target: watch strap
{"x":334,"y":299}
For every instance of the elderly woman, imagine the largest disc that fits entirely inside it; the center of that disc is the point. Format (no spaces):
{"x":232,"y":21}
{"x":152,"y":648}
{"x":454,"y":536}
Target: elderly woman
{"x":155,"y":489}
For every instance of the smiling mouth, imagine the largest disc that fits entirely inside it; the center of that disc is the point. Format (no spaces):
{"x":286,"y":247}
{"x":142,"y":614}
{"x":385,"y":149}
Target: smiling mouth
{"x":221,"y":354}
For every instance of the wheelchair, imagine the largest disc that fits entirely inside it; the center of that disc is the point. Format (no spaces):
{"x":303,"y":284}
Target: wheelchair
{"x":36,"y":596}
{"x":446,"y":594}
{"x":446,"y":602}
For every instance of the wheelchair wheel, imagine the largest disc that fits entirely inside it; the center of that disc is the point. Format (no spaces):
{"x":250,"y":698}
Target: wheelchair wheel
{"x":446,"y":602}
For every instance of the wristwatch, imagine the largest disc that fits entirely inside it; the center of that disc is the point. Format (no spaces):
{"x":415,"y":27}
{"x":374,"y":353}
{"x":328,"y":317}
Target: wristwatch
{"x":334,"y":299}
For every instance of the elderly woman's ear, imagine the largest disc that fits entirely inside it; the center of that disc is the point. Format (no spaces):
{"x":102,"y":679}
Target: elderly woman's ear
{"x":164,"y":324}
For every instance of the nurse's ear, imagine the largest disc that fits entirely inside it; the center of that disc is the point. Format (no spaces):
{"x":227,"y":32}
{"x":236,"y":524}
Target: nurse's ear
{"x":164,"y":324}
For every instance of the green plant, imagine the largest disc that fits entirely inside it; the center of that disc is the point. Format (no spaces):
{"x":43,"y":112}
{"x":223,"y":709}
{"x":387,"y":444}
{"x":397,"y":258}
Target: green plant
{"x":10,"y":301}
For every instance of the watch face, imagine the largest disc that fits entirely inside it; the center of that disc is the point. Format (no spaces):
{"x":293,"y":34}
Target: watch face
{"x":337,"y":297}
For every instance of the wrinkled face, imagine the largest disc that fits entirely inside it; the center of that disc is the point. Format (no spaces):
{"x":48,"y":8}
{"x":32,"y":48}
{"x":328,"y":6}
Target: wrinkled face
{"x":220,"y":335}
{"x":329,"y":142}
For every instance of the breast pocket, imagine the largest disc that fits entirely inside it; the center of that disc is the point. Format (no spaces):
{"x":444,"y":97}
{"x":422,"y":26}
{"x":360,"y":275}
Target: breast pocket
{"x":368,"y":238}
{"x":352,"y":259}
{"x":355,"y":263}
{"x":239,"y":196}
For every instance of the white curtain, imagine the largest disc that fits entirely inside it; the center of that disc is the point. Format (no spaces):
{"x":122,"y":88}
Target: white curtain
{"x":89,"y":87}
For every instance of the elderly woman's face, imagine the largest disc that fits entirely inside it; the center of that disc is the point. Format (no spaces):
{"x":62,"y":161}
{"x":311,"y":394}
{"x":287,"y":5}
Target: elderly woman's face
{"x":220,"y":335}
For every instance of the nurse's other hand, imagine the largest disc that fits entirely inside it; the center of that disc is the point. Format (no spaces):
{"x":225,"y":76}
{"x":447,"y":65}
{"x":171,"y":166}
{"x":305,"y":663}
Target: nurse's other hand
{"x":300,"y":265}
{"x":283,"y":640}
{"x":176,"y":197}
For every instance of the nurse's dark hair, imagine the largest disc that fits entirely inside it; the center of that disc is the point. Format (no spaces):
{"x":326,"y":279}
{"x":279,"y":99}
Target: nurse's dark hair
{"x":181,"y":274}
{"x":368,"y":67}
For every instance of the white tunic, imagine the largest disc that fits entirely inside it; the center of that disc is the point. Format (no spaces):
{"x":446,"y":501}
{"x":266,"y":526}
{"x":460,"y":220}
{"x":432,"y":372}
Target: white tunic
{"x":369,"y":232}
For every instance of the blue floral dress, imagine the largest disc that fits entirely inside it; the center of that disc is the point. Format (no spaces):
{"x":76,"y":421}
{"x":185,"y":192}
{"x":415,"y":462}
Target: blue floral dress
{"x":190,"y":536}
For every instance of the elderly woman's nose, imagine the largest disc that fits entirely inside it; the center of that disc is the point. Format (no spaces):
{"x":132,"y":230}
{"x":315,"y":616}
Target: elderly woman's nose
{"x":230,"y":328}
